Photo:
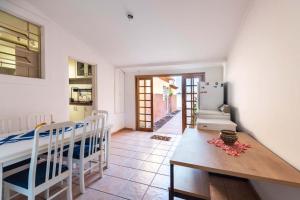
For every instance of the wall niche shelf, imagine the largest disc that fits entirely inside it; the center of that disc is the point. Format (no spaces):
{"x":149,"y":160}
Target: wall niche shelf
{"x":87,"y":80}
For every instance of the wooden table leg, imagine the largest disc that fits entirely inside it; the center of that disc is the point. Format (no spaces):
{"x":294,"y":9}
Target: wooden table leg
{"x":171,"y":189}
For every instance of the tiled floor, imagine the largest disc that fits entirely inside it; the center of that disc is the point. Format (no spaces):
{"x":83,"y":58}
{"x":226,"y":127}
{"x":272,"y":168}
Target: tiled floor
{"x":138,"y":169}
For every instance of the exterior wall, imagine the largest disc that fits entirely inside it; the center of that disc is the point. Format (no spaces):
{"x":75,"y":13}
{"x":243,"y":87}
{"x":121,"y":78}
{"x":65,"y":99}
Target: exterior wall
{"x":158,"y":85}
{"x":173,"y":103}
{"x":160,"y":107}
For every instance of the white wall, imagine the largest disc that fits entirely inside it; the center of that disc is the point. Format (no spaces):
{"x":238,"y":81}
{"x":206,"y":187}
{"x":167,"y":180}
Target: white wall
{"x":119,"y":91}
{"x":212,"y":74}
{"x":263,"y":74}
{"x":21,"y":96}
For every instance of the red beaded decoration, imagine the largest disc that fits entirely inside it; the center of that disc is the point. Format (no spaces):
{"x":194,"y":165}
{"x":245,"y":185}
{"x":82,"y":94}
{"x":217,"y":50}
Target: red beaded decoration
{"x":234,"y":150}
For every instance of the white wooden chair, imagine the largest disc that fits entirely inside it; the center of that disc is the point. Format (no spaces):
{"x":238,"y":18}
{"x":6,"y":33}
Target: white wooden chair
{"x":10,"y":125}
{"x":101,"y":112}
{"x":43,"y":174}
{"x":106,"y":121}
{"x":17,"y":125}
{"x":24,"y":123}
{"x":89,"y":150}
{"x":35,"y":119}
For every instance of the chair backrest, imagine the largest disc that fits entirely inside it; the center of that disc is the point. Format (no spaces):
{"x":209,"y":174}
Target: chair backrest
{"x":101,"y":112}
{"x":10,"y":125}
{"x":37,"y":118}
{"x":92,"y":137}
{"x":60,"y":135}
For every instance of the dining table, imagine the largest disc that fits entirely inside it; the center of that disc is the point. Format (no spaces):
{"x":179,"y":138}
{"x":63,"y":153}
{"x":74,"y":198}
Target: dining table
{"x":21,"y":149}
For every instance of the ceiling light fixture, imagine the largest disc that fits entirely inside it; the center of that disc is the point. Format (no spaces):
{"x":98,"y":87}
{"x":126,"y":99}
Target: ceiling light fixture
{"x":130,"y":16}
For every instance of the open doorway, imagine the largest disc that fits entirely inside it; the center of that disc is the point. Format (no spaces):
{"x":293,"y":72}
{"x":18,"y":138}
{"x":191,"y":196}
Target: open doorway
{"x":167,"y":104}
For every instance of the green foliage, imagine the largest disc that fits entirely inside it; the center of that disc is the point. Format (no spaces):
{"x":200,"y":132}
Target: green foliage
{"x":170,"y":92}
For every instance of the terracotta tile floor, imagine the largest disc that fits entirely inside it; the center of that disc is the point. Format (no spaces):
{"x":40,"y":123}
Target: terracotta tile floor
{"x":138,"y":169}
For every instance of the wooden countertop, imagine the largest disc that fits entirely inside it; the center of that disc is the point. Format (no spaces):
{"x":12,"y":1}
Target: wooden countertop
{"x":258,"y":163}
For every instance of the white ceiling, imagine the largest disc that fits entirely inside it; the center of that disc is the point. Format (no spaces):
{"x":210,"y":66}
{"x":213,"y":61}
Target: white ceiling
{"x":162,"y":31}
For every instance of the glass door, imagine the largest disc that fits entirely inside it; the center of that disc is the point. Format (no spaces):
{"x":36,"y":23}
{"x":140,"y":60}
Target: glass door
{"x":189,"y":99}
{"x":144,"y":103}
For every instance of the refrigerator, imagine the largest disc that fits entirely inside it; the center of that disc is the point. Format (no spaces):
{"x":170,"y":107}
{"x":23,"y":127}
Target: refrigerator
{"x":210,"y":95}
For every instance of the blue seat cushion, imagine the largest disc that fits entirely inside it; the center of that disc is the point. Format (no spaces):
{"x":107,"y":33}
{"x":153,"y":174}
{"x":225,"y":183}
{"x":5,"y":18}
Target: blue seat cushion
{"x":87,"y":141}
{"x":58,"y":149}
{"x":16,"y":165}
{"x":21,"y":178}
{"x":76,"y":151}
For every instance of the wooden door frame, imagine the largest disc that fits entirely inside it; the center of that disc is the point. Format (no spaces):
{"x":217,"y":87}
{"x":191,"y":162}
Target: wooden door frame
{"x":183,"y":98}
{"x":137,"y":78}
{"x":202,"y":76}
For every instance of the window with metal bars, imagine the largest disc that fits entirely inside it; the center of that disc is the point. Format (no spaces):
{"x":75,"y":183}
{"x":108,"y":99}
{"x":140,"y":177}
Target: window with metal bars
{"x":20,"y":47}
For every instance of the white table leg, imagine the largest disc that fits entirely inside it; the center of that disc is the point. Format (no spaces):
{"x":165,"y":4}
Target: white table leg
{"x":107,"y":148}
{"x":1,"y":181}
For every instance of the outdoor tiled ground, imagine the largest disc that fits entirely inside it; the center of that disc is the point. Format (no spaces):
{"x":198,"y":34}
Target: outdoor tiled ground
{"x":174,"y":126}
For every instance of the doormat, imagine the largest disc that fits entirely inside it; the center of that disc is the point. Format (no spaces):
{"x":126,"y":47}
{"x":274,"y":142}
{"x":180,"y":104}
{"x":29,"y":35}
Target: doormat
{"x":160,"y":137}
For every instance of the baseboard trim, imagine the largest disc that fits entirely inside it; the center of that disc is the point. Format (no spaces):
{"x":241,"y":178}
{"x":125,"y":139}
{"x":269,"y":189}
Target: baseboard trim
{"x":122,"y":129}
